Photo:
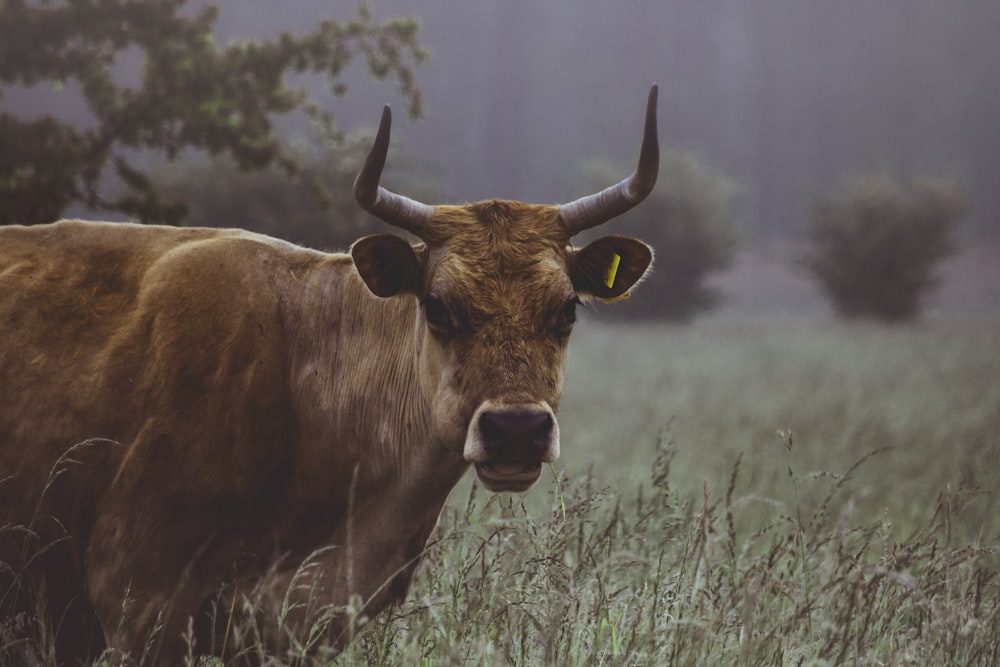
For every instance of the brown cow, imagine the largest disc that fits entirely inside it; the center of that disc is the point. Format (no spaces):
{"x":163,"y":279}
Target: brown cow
{"x":182,"y":409}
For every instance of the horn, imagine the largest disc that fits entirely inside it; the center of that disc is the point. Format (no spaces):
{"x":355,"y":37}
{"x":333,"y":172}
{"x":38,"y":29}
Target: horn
{"x":397,"y":210}
{"x":598,"y":208}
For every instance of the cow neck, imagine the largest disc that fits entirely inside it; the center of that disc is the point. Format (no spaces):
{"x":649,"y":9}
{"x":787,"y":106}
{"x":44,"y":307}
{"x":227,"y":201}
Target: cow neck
{"x":354,"y":385}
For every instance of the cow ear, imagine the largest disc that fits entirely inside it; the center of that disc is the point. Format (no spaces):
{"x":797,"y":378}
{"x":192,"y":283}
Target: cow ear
{"x":610,"y":266}
{"x":387,"y":264}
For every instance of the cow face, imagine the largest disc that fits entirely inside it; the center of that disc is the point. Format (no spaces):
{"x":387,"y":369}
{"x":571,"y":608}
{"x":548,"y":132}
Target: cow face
{"x":498,"y":284}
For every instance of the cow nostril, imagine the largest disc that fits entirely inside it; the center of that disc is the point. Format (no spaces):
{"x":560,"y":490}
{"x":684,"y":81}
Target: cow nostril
{"x":516,"y":427}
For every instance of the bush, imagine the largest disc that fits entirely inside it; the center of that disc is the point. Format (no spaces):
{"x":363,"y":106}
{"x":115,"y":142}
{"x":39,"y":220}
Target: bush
{"x":688,"y":220}
{"x":314,"y":209}
{"x":874,"y":251}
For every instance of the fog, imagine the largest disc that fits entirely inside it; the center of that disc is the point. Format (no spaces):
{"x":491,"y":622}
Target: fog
{"x":788,"y":97}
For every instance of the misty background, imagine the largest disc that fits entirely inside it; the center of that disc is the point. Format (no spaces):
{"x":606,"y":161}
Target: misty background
{"x":788,"y":98}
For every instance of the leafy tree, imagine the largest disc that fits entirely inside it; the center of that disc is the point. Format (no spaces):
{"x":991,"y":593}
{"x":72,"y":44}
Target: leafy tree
{"x":688,"y":220}
{"x":193,"y":93}
{"x":874,"y":251}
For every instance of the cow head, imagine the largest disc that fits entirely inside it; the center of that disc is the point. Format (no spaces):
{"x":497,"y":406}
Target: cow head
{"x":498,"y":284}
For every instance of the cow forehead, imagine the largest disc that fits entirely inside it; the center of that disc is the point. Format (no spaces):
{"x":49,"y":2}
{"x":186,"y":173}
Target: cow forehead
{"x":493,"y":278}
{"x":498,"y":231}
{"x":501,"y":255}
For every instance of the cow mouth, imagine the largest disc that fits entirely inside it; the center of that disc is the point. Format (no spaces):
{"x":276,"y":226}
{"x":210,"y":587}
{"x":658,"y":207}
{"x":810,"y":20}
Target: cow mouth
{"x":508,"y":476}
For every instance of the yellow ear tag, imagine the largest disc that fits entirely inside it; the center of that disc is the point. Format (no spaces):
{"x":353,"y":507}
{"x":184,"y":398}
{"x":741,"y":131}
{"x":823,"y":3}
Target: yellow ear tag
{"x":609,"y":277}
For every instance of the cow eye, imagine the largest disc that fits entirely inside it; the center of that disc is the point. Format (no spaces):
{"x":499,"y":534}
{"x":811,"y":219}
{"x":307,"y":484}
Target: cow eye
{"x":437,"y":316}
{"x":567,"y":317}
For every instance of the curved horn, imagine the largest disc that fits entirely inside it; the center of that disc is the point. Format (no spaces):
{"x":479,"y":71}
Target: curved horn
{"x":597,"y":209}
{"x":389,"y":207}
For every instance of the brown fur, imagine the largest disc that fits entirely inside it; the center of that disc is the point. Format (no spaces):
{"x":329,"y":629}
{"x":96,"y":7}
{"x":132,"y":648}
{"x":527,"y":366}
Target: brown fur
{"x":183,"y":408}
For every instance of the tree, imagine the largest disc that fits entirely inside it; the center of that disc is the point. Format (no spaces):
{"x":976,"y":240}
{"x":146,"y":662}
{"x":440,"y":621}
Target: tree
{"x":193,"y":93}
{"x":874,"y":251}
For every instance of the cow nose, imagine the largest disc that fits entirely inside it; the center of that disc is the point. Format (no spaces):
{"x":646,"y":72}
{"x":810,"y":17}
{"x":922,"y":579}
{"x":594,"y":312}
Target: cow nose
{"x":516,"y":434}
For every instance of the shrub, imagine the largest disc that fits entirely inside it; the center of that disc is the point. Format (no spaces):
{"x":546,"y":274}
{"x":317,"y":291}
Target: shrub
{"x":315,"y":209}
{"x":874,"y":251}
{"x":688,"y":220}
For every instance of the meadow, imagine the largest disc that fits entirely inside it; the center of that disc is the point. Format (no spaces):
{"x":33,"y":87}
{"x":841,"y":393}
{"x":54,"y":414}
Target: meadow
{"x":740,"y":491}
{"x":754,"y":491}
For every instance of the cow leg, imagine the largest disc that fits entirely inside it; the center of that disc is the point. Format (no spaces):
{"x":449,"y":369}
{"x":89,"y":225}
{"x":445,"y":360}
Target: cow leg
{"x":76,"y":630}
{"x":146,"y":585}
{"x":143,"y":624}
{"x":43,"y":606}
{"x":43,"y":562}
{"x":361,"y":576}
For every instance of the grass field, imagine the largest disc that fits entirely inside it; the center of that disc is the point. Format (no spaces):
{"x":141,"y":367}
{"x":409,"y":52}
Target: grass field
{"x":749,"y":491}
{"x":743,"y":491}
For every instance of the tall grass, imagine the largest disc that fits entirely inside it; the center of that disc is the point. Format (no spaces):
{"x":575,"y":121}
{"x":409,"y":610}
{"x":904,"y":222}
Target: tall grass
{"x":748,"y":492}
{"x":736,"y":492}
{"x":657,"y":578}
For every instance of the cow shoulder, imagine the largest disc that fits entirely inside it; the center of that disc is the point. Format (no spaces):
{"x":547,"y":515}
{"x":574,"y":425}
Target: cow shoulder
{"x":208,"y":322}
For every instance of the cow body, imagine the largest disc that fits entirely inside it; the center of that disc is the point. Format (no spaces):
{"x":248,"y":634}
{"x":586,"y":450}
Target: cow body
{"x":183,"y":410}
{"x":240,"y":386}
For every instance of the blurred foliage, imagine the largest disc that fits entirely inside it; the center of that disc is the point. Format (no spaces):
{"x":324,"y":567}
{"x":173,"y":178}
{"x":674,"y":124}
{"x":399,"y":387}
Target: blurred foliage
{"x":688,"y":220}
{"x":315,"y":209}
{"x":874,"y":250}
{"x":192,"y":93}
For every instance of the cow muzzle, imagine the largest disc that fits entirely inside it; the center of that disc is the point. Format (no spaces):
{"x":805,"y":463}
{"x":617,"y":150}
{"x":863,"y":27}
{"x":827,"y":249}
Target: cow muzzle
{"x":509,"y":442}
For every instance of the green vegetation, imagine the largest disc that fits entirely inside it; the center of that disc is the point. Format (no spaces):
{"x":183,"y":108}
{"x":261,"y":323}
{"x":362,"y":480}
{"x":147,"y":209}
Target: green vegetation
{"x":874,"y":251}
{"x":191,"y":94}
{"x":750,"y":491}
